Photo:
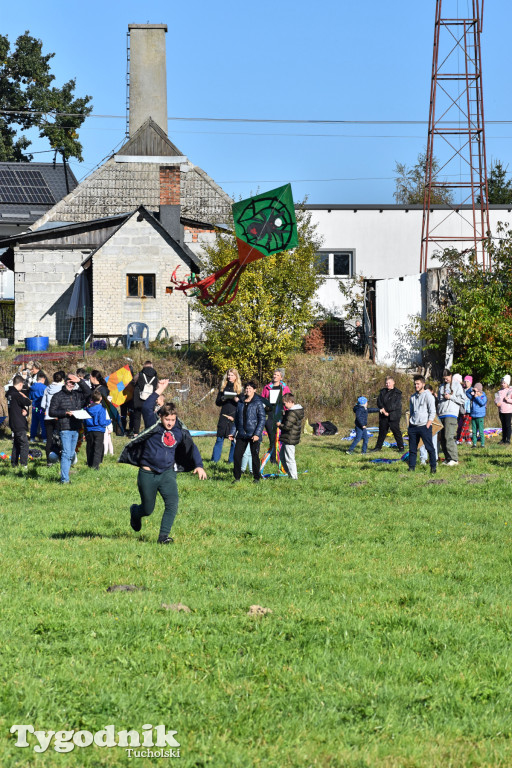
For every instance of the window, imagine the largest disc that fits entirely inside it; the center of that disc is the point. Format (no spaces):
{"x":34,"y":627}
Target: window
{"x":140,"y":286}
{"x":335,"y":263}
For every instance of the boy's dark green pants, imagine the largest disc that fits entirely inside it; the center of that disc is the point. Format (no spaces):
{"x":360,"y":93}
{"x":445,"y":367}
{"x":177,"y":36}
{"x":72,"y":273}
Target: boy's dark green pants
{"x":164,"y":483}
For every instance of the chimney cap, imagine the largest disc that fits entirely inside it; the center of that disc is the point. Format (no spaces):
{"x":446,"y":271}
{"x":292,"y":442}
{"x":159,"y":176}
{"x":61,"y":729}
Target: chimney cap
{"x":148,"y":26}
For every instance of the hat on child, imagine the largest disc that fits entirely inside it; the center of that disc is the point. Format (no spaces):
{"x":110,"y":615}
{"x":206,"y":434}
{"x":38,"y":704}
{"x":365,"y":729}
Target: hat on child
{"x":457,"y":377}
{"x":479,"y":387}
{"x":468,"y":378}
{"x":506,"y":379}
{"x":362,"y":400}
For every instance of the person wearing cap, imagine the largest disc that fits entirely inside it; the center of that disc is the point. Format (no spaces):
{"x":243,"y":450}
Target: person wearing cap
{"x":478,"y":402}
{"x":62,"y":407}
{"x":361,"y":411}
{"x":503,"y":400}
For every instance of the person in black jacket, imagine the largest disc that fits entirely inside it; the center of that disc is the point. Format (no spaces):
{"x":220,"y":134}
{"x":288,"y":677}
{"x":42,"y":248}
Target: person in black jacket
{"x":145,"y":382}
{"x":230,"y":391}
{"x":291,"y":429}
{"x":249,"y":424}
{"x":389,"y":403}
{"x":156,"y":451}
{"x":62,"y":405}
{"x":18,"y":405}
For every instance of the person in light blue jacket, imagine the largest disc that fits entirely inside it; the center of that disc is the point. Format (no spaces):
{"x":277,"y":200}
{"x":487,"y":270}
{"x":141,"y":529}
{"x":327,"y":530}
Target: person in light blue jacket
{"x":478,"y":400}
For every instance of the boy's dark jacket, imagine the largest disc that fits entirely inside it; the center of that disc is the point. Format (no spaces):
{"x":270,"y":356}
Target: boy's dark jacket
{"x":391,"y":401}
{"x":291,"y":425}
{"x":17,"y":402}
{"x":187,"y":456}
{"x":362,"y":415}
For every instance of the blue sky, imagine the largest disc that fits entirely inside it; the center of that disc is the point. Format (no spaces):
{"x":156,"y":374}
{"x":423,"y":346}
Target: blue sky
{"x":332,"y":60}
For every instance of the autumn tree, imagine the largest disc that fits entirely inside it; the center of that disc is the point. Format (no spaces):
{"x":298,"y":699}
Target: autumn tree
{"x":273,"y":309}
{"x":475,"y":310}
{"x":410,"y":184}
{"x":29,"y":100}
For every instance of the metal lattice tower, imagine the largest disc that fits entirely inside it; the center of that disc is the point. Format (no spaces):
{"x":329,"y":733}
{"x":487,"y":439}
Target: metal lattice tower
{"x":456,"y":135}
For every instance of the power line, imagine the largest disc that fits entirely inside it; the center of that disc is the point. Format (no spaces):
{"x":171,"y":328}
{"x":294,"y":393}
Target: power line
{"x":273,"y":121}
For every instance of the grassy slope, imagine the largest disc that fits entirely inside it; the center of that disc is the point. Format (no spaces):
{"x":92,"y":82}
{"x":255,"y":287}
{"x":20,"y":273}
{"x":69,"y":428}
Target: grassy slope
{"x":388,"y":645}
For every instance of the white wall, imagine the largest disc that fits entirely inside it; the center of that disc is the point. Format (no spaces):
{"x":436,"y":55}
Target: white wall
{"x":386,"y":240}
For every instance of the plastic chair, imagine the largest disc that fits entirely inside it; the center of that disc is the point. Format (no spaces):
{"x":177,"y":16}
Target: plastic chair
{"x":137,"y":332}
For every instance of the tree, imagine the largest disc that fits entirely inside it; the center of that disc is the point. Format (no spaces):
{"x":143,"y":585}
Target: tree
{"x":273,"y":309}
{"x":410,"y":184}
{"x":29,"y":100}
{"x":499,"y":190}
{"x":476,"y":311}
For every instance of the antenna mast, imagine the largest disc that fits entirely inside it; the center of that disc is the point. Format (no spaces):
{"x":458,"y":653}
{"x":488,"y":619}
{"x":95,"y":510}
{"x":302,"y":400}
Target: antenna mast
{"x":456,"y":158}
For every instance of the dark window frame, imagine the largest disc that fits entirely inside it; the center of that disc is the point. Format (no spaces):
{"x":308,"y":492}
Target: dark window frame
{"x":141,"y":279}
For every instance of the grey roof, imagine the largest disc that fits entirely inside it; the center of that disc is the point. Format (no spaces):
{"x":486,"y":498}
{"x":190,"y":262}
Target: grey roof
{"x":54,"y":176}
{"x":119,"y":187}
{"x":73,"y":233}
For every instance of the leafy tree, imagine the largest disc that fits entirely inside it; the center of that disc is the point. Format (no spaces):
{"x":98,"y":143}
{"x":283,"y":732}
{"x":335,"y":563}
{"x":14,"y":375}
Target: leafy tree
{"x":476,"y":310}
{"x":498,"y":188}
{"x":25,"y":90}
{"x":273,"y":309}
{"x":410,"y":184}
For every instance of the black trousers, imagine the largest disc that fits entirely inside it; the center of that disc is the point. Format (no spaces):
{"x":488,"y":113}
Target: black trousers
{"x":94,"y":448}
{"x":20,"y":448}
{"x":415,"y":433}
{"x":51,"y":425}
{"x":241,"y":445}
{"x":386,"y":424}
{"x":505,"y":419}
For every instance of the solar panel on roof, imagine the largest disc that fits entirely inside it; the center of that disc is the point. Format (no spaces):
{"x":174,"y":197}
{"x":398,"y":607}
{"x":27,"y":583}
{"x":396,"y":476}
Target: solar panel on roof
{"x":24,"y":185}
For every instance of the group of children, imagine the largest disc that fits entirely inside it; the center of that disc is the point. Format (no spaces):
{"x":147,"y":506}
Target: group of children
{"x":29,"y":391}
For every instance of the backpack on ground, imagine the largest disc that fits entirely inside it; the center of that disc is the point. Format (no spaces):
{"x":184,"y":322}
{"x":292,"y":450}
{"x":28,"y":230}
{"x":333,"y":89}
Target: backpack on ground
{"x":324,"y":428}
{"x":147,"y":389}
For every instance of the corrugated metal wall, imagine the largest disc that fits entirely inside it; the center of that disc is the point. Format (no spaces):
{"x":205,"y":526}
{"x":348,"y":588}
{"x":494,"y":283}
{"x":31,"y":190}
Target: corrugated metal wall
{"x":398,"y":301}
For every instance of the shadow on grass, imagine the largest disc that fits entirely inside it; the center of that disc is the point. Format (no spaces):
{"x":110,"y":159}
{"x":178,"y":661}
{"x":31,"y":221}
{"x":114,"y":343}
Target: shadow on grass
{"x":90,"y":535}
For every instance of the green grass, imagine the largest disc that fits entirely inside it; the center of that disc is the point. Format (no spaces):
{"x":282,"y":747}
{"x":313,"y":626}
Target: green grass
{"x":388,"y":644}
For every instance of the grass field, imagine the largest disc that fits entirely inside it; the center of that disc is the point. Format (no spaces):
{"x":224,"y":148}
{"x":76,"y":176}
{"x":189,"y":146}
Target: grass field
{"x":388,"y":644}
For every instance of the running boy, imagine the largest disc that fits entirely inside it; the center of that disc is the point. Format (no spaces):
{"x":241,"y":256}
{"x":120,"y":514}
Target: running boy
{"x":166,"y":444}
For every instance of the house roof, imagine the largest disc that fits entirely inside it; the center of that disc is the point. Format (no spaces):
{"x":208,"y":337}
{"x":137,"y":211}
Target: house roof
{"x":119,"y":187}
{"x":81,"y":235}
{"x":28,"y":190}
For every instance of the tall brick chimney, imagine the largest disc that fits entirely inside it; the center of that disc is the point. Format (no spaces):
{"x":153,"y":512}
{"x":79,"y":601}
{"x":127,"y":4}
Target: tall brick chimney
{"x":148,"y":76}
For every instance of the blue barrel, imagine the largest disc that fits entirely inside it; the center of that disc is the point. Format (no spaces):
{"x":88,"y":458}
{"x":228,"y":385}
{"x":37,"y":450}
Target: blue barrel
{"x":37,"y":343}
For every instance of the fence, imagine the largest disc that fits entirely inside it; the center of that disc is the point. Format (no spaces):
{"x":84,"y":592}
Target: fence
{"x":7,"y":320}
{"x":334,"y":336}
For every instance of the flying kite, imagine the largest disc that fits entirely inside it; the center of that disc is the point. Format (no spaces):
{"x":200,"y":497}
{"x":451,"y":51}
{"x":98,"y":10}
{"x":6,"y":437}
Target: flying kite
{"x":264,"y":224}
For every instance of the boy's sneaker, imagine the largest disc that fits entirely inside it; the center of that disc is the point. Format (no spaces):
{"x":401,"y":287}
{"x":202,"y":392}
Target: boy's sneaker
{"x":452,"y":463}
{"x":349,"y":452}
{"x":433,"y":470}
{"x":135,"y":520}
{"x":165,"y":540}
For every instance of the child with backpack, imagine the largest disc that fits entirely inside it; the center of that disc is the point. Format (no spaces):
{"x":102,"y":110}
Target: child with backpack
{"x":361,"y":411}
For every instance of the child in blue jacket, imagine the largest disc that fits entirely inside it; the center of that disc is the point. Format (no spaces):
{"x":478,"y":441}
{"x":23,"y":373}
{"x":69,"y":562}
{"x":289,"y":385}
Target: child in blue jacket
{"x":478,"y":400}
{"x":36,"y":393}
{"x":95,"y":427}
{"x":361,"y":411}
